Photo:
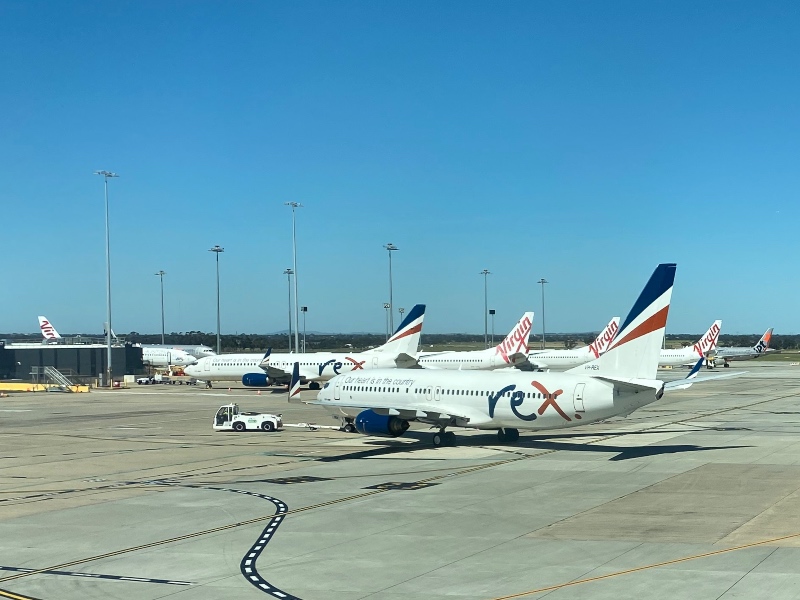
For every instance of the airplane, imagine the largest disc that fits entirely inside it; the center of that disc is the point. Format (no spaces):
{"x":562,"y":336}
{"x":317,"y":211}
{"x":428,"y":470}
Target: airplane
{"x":511,"y":351}
{"x":703,"y":348}
{"x":259,"y":370}
{"x":617,"y":383}
{"x":48,"y":331}
{"x":743,"y":353}
{"x":198,"y":351}
{"x":546,"y":359}
{"x":165,"y":357}
{"x":154,"y":355}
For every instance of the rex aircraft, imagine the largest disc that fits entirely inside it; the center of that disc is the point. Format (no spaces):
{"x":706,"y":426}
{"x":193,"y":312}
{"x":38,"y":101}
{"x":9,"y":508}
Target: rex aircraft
{"x":258,"y":370}
{"x":511,"y":351}
{"x":617,"y":383}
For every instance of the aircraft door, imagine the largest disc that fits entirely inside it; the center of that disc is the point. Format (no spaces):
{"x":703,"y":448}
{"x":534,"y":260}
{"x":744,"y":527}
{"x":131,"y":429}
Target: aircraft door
{"x":337,"y":391}
{"x":207,"y":365}
{"x":577,"y":398}
{"x":374,"y":362}
{"x":437,"y":393}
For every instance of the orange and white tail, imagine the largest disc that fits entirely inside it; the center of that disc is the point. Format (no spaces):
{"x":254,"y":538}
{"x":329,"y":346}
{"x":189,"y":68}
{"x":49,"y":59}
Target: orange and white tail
{"x":709,"y":340}
{"x":48,"y":331}
{"x":516,"y":342}
{"x":603,"y":341}
{"x":763,"y":344}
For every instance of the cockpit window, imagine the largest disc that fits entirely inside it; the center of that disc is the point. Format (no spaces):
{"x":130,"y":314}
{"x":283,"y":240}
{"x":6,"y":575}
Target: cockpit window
{"x":326,"y":385}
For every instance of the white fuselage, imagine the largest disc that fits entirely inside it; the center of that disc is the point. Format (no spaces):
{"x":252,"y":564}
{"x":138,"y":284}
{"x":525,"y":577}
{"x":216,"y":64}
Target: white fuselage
{"x":475,"y":360}
{"x":314,"y":366}
{"x":561,"y":359}
{"x":678,"y":356}
{"x":196,"y":351}
{"x":163,"y":357}
{"x":486,"y":400}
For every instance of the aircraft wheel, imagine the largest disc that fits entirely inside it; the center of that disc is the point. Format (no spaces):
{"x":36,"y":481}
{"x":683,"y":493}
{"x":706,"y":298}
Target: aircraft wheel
{"x":450,"y":438}
{"x":512,"y":435}
{"x":726,"y":365}
{"x":438,"y":439}
{"x":501,"y":436}
{"x":238,"y":426}
{"x":313,"y":386}
{"x":349,"y":428}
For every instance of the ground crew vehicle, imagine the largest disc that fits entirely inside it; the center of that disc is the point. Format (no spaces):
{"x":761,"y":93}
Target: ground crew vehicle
{"x":228,"y":417}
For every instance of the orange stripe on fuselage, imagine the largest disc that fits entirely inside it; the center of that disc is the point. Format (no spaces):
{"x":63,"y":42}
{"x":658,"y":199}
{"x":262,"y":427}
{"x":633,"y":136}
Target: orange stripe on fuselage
{"x":414,"y":329}
{"x":657,"y":321}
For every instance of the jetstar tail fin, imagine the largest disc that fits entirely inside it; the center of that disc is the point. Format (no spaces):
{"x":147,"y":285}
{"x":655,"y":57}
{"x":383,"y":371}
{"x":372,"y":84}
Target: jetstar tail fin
{"x":763,"y":344}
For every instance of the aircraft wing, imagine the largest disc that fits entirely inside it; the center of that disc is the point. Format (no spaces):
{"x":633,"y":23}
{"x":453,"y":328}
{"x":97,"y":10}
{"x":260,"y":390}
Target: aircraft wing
{"x":426,"y":412}
{"x":691,"y":378}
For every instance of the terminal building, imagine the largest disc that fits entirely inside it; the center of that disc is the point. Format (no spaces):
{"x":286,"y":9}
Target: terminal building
{"x":81,"y":363}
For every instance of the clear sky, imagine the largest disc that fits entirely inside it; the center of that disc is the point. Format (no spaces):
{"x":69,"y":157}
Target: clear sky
{"x":583,"y":142}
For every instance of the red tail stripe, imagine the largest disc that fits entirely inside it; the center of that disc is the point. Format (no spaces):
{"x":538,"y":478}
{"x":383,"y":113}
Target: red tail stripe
{"x":649,"y":325}
{"x":415,"y":329}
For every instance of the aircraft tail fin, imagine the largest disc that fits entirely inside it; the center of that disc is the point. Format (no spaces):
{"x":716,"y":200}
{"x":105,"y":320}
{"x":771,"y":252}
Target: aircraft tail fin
{"x":405,"y":339}
{"x":763,"y":344}
{"x":294,"y":384}
{"x":48,"y":331}
{"x":634,"y":352}
{"x":604,"y":339}
{"x":516,"y":341}
{"x":708,"y":342}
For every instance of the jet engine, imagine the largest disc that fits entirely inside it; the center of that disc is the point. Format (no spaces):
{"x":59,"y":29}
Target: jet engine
{"x":371,"y":423}
{"x":255,"y":380}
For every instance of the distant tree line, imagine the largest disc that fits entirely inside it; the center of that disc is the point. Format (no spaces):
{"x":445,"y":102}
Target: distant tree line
{"x":250,"y":342}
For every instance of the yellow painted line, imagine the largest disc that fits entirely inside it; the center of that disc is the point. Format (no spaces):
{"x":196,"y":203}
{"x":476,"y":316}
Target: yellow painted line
{"x":13,"y":596}
{"x":551,"y":588}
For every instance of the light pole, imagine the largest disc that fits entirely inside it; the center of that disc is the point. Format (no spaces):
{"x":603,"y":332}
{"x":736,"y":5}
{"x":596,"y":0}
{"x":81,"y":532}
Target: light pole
{"x":161,"y":275}
{"x":491,"y":312}
{"x":106,"y":175}
{"x":390,"y":247}
{"x":486,"y":273}
{"x":304,"y":310}
{"x":289,"y":273}
{"x":295,"y":206}
{"x":401,"y":311}
{"x":543,"y":281}
{"x":388,"y":308}
{"x":216,"y":250}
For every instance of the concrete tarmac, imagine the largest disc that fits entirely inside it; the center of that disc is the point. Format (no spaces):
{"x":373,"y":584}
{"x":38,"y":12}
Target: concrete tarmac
{"x":130,"y":494}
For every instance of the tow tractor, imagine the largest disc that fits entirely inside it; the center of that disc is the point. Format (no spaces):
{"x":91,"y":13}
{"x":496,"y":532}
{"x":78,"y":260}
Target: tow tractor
{"x":228,"y":417}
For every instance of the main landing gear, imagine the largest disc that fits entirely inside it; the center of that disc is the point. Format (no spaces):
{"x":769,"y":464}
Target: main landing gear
{"x":507,"y":435}
{"x":443,"y":438}
{"x":348,"y":426}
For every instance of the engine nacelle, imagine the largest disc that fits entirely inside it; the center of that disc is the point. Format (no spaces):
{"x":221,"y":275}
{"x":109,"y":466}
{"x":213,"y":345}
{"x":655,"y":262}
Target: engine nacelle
{"x":371,"y":423}
{"x":255,"y":380}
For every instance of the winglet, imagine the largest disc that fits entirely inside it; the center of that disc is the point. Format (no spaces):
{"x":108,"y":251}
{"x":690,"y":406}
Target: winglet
{"x":294,"y":385}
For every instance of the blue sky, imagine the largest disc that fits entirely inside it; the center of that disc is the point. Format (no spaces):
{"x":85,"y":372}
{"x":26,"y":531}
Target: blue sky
{"x":583,"y":142}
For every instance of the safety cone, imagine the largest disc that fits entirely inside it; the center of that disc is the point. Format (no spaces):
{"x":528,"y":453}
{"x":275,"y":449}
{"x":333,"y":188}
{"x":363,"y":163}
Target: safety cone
{"x":229,"y":389}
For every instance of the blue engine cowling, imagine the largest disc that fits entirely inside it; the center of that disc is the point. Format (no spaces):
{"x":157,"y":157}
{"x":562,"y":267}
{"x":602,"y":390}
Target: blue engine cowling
{"x":371,"y":423}
{"x":255,"y":380}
